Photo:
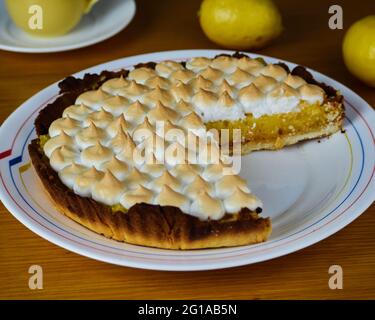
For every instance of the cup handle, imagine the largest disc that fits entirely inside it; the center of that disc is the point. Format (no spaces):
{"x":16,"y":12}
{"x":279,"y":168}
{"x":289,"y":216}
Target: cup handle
{"x":89,"y":5}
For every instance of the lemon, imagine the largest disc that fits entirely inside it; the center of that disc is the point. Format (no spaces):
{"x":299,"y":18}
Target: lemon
{"x":359,"y":50}
{"x":240,"y":24}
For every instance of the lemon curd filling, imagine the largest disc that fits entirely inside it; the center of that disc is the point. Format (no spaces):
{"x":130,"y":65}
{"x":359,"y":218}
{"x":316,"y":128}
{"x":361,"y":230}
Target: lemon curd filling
{"x":307,"y":118}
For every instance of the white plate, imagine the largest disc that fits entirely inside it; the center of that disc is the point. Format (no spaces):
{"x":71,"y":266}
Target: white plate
{"x":107,"y":18}
{"x":310,"y":190}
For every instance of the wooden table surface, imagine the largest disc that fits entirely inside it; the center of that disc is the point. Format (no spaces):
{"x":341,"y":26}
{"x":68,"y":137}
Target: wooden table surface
{"x":170,"y":25}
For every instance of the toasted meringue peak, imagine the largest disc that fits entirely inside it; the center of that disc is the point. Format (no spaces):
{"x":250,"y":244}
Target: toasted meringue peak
{"x":68,"y":125}
{"x":166,"y":68}
{"x":100,"y":118}
{"x":95,"y":155}
{"x":250,"y":96}
{"x":312,"y":93}
{"x":111,"y":86}
{"x":169,"y":197}
{"x":240,"y":199}
{"x":84,"y":182}
{"x":138,"y":195}
{"x":201,"y":83}
{"x":69,"y":174}
{"x":250,"y":65}
{"x":186,"y":172}
{"x":197,"y":186}
{"x":117,"y":124}
{"x":165,"y":179}
{"x":204,"y":206}
{"x":93,"y":99}
{"x":118,"y":168}
{"x":212,"y":74}
{"x":118,"y":142}
{"x":58,"y":141}
{"x":227,"y":185}
{"x":175,"y":154}
{"x":108,"y":190}
{"x":191,"y":121}
{"x":158,"y":94}
{"x":90,"y":135}
{"x":152,"y":167}
{"x":183,"y":108}
{"x":198,"y":64}
{"x":161,"y":113}
{"x":133,"y":90}
{"x":145,"y":125}
{"x":265,"y":83}
{"x":173,"y":132}
{"x":225,"y":63}
{"x":240,"y":78}
{"x":294,"y":81}
{"x":181,"y":91}
{"x":226,"y":100}
{"x":136,"y":178}
{"x":204,"y":99}
{"x":115,"y":105}
{"x":141,"y":75}
{"x":182,"y":75}
{"x":77,"y":112}
{"x":127,"y":152}
{"x":62,"y":156}
{"x":275,"y":71}
{"x":136,"y":113}
{"x":213,"y":172}
{"x":226,"y":87}
{"x":158,"y":81}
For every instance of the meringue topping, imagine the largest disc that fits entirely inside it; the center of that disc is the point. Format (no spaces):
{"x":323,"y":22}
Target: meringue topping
{"x":90,"y":135}
{"x":161,"y":113}
{"x":169,"y":197}
{"x":204,"y":206}
{"x":136,"y":113}
{"x":138,"y":195}
{"x":228,"y":184}
{"x":116,"y":105}
{"x":240,"y":78}
{"x":135,"y":179}
{"x":108,"y":190}
{"x":77,"y":112}
{"x":181,"y":91}
{"x":57,"y":141}
{"x":294,"y":81}
{"x":311,"y":93}
{"x":118,"y":124}
{"x":166,"y":68}
{"x":274,"y":71}
{"x":241,"y":199}
{"x":68,"y":125}
{"x":165,"y":179}
{"x":183,"y":75}
{"x":84,"y":183}
{"x":158,"y":81}
{"x":141,"y":75}
{"x":62,"y":157}
{"x":197,"y":186}
{"x":100,"y":118}
{"x":225,"y":63}
{"x":95,"y":155}
{"x":111,"y":86}
{"x":198,"y":64}
{"x":93,"y":99}
{"x":118,"y":168}
{"x":212,"y":74}
{"x":69,"y":174}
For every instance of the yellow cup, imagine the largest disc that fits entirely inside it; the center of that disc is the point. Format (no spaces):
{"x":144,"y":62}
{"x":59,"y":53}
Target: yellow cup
{"x":48,"y":18}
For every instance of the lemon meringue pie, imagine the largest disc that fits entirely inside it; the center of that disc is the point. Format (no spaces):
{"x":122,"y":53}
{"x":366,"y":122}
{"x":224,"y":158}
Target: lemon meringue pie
{"x":106,"y":164}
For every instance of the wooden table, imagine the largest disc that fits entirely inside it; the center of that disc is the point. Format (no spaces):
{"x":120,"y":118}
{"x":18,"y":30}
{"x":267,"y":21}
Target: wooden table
{"x":170,"y":25}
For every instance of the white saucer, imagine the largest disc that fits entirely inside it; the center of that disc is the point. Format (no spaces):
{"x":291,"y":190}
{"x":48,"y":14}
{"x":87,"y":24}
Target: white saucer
{"x":105,"y":20}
